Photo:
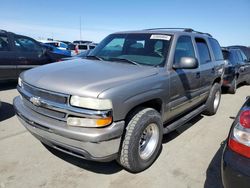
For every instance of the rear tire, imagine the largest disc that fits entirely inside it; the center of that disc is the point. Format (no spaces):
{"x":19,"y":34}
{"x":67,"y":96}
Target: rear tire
{"x":142,"y":141}
{"x":232,"y":89}
{"x":213,"y":100}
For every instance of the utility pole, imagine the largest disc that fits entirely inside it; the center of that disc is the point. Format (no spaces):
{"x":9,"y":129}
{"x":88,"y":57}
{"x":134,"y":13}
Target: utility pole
{"x":80,"y":28}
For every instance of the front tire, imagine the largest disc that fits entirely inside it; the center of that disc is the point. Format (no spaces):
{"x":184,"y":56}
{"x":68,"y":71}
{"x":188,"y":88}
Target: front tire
{"x":142,"y":141}
{"x":213,"y":100}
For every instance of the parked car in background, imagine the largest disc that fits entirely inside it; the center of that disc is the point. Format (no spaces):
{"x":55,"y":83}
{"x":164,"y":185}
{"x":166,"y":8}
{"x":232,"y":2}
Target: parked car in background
{"x":244,"y":49}
{"x":57,"y":44}
{"x":235,"y":164}
{"x":134,"y":87}
{"x":19,"y":53}
{"x":237,"y":69}
{"x":79,"y":48}
{"x":81,"y":55}
{"x":55,"y":51}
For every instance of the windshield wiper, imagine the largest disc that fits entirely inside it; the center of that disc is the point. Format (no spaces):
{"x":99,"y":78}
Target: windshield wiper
{"x":124,"y":60}
{"x":94,"y":57}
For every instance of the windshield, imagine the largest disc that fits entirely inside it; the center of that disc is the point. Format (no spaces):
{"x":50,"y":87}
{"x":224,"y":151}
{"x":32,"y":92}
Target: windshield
{"x":145,"y":49}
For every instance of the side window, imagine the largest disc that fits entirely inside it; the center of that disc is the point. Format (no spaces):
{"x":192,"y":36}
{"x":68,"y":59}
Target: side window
{"x":114,"y":47}
{"x":235,"y":55}
{"x":26,"y":45}
{"x":243,"y":56}
{"x":184,"y":48}
{"x":203,"y":51}
{"x":239,"y":55}
{"x":4,"y":43}
{"x":216,"y":49}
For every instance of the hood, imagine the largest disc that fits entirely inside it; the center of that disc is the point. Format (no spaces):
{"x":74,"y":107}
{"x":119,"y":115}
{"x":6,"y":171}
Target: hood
{"x":83,"y":77}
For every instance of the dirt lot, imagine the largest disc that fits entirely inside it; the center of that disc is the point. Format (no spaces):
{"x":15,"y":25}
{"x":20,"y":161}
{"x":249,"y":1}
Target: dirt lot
{"x":190,"y":156}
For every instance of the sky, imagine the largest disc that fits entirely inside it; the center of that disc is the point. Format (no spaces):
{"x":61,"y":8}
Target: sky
{"x":227,"y":20}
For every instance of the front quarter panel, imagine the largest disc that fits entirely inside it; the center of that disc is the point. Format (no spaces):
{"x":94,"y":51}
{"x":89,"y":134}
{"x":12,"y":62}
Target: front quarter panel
{"x":127,"y":96}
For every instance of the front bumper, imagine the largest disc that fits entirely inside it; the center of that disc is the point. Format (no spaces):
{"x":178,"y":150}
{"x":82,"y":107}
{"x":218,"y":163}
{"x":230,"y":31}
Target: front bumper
{"x":98,"y":144}
{"x":235,"y":170}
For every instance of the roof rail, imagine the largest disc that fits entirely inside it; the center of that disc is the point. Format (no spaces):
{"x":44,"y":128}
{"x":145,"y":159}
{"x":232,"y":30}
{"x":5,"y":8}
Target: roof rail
{"x":179,"y":28}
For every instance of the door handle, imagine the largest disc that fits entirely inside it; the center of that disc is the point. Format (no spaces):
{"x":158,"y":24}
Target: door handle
{"x":21,"y":58}
{"x":198,"y":75}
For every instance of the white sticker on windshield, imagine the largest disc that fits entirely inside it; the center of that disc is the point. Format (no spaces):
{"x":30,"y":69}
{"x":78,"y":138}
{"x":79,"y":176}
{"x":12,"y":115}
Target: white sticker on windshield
{"x":160,"y":37}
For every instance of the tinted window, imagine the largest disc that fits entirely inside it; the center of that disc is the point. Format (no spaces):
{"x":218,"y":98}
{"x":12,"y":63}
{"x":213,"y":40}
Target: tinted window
{"x":203,"y":50}
{"x":216,"y":49}
{"x":147,"y":49}
{"x":4,"y":43}
{"x":184,"y":48}
{"x":63,"y":45}
{"x":91,"y":47}
{"x":82,"y":47}
{"x":243,"y":56}
{"x":239,"y":55}
{"x":26,"y":44}
{"x":228,"y":55}
{"x":55,"y":44}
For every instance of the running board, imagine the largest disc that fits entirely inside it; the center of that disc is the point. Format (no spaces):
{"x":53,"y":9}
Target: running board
{"x":184,"y":119}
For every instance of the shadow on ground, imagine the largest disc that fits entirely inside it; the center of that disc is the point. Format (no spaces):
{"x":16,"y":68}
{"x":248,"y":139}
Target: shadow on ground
{"x":172,"y":135}
{"x":97,"y":167}
{"x":213,"y":174}
{"x":7,"y":85}
{"x":6,"y":111}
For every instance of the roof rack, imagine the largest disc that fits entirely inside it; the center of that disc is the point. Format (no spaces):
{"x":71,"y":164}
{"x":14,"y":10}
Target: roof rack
{"x":179,"y":28}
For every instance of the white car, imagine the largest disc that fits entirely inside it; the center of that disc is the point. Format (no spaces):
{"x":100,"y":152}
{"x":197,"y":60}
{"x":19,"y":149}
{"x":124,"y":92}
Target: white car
{"x":79,"y":48}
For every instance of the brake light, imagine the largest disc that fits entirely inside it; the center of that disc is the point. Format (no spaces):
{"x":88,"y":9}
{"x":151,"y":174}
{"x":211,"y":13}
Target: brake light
{"x":245,"y":118}
{"x":240,"y":137}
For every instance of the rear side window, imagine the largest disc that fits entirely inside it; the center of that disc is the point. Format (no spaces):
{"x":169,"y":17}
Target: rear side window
{"x":26,"y":44}
{"x":228,"y":55}
{"x":239,"y":55}
{"x":82,"y":47}
{"x":203,"y":50}
{"x":184,"y":48}
{"x":216,"y":49}
{"x":4,"y":43}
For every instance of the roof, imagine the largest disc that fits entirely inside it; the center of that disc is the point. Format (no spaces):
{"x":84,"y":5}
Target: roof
{"x":170,"y":31}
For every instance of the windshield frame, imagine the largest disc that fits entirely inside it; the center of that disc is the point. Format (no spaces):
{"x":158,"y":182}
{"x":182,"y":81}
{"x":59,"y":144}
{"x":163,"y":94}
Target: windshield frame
{"x":167,"y":46}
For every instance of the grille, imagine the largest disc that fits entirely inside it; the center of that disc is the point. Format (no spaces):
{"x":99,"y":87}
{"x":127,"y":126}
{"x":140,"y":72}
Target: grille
{"x":45,"y":95}
{"x":44,"y":111}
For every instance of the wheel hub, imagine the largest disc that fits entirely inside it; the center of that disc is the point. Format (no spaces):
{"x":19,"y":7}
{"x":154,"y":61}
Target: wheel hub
{"x":148,"y":141}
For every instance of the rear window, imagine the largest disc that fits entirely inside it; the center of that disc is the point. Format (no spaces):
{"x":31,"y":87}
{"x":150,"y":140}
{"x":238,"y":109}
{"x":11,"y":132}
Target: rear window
{"x":216,"y":49}
{"x":82,"y":47}
{"x":55,"y":44}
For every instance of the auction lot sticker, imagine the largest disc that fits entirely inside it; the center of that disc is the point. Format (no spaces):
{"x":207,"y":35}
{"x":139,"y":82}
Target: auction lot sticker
{"x":160,"y":37}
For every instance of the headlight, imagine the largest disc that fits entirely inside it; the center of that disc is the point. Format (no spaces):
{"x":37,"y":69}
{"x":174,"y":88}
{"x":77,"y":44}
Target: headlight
{"x":86,"y":122}
{"x":91,"y":103}
{"x":20,"y":84}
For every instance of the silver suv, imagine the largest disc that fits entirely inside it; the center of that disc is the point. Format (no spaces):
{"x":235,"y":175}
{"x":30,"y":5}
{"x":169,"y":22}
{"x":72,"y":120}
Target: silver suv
{"x":117,"y":104}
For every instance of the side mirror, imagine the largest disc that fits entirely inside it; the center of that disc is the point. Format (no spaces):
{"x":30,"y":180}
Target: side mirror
{"x":186,"y":63}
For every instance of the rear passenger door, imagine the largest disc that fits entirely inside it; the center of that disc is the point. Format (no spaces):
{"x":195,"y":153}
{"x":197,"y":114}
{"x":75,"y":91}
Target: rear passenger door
{"x":184,"y":83}
{"x":30,"y":53}
{"x":7,"y":58}
{"x":246,"y":65}
{"x":206,"y":67}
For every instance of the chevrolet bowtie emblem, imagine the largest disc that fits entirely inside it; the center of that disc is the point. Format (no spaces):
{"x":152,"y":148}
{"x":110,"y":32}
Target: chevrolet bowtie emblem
{"x":36,"y":101}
